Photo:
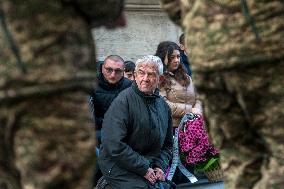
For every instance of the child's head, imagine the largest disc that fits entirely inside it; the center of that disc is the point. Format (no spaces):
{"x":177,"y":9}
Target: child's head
{"x":129,"y":68}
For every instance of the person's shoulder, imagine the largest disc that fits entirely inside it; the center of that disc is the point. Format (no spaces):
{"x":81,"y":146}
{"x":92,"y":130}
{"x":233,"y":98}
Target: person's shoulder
{"x":162,"y":100}
{"x":125,"y":93}
{"x":92,"y":91}
{"x":123,"y":98}
{"x":126,"y":82}
{"x":164,"y":104}
{"x":189,"y":77}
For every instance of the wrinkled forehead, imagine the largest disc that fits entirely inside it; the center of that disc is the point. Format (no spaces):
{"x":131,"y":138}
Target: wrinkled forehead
{"x":149,"y":67}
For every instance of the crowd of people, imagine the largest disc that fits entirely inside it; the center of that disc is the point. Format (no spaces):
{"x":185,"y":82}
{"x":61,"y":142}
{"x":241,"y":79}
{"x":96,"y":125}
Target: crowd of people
{"x":136,"y":107}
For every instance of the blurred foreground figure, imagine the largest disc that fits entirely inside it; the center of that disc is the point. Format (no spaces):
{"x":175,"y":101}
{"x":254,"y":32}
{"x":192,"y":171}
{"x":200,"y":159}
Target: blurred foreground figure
{"x":40,"y":132}
{"x":236,"y":46}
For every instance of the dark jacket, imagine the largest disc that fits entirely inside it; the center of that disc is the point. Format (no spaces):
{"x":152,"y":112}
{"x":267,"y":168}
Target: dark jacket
{"x":103,"y":95}
{"x":136,"y":135}
{"x":185,"y":63}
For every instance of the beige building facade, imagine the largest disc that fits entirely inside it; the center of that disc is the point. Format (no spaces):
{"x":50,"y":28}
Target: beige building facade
{"x":147,"y":25}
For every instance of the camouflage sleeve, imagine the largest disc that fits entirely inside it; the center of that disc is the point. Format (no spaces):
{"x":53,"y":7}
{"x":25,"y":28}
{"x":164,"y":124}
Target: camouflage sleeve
{"x":99,"y":12}
{"x":173,"y":8}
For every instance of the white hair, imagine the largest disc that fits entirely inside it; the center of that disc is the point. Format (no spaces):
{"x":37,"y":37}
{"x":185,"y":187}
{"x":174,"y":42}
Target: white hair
{"x":150,"y":59}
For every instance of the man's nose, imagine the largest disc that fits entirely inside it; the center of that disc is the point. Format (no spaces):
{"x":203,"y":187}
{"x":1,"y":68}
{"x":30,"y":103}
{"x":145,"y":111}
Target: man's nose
{"x":145,"y":77}
{"x":112,"y":74}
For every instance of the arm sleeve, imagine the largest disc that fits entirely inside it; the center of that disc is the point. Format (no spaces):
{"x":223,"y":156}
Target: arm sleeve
{"x":178,"y":109}
{"x":198,"y":103}
{"x":166,"y":152}
{"x":114,"y":133}
{"x":97,"y":120}
{"x":92,"y":107}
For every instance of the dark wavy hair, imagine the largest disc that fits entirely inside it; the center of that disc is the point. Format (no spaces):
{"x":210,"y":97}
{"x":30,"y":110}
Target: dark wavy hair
{"x":164,"y":50}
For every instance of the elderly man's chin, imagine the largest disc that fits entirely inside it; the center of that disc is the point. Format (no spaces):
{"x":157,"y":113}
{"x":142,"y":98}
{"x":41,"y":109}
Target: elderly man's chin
{"x":146,"y":90}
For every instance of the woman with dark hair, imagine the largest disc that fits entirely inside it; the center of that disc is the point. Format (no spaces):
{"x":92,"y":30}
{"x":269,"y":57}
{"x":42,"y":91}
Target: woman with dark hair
{"x":177,"y":86}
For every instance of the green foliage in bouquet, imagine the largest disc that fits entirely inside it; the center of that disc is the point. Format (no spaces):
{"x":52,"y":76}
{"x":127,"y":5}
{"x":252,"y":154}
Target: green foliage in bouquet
{"x":211,"y":164}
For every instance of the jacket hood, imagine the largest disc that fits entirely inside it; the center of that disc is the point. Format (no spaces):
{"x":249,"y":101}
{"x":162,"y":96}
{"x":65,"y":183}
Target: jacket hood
{"x":105,"y":84}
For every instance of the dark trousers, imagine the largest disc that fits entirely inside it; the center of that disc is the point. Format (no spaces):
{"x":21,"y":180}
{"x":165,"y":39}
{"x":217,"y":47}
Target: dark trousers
{"x":97,"y":174}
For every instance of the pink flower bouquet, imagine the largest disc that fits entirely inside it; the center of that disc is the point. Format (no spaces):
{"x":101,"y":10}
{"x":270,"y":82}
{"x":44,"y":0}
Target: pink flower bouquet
{"x":194,"y":145}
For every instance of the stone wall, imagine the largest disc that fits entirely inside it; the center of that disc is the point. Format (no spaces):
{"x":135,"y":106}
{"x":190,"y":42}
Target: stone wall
{"x":146,"y":26}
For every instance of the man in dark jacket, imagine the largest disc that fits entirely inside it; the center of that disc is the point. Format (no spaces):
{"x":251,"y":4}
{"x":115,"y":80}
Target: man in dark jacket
{"x":110,"y":82}
{"x":137,"y":131}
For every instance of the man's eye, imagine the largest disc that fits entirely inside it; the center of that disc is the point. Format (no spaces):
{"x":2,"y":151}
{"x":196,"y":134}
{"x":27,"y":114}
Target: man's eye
{"x":151,"y":75}
{"x":118,"y":70}
{"x":109,"y":70}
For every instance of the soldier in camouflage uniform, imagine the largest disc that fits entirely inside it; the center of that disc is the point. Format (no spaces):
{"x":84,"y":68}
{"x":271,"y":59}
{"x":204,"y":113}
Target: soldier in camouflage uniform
{"x":238,"y":55}
{"x":52,"y":42}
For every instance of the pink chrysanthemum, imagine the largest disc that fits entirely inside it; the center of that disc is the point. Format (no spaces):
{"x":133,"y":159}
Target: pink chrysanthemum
{"x":194,"y":142}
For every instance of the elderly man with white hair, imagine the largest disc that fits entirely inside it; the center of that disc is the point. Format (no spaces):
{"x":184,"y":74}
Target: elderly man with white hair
{"x":137,"y":132}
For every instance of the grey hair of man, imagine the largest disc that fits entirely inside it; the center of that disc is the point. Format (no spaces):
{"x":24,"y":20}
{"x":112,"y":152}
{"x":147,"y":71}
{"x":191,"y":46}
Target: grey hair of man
{"x":150,"y":60}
